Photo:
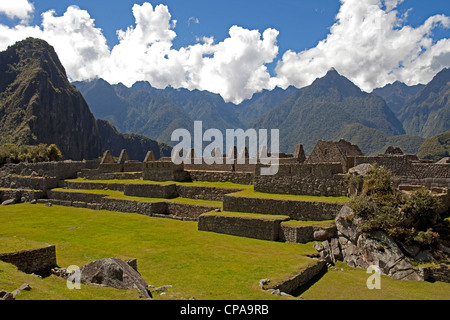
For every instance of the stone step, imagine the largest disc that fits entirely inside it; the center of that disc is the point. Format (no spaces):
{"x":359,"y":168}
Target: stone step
{"x":257,"y":226}
{"x":294,"y":207}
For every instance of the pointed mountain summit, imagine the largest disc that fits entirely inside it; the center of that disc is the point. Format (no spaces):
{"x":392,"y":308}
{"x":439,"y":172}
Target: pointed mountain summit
{"x":320,"y":111}
{"x":39,"y":105}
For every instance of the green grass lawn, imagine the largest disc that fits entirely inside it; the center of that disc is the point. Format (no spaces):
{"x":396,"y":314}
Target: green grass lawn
{"x":197,"y":264}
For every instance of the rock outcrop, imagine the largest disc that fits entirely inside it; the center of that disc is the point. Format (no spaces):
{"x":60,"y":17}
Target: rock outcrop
{"x":363,"y":250}
{"x":111,"y":272}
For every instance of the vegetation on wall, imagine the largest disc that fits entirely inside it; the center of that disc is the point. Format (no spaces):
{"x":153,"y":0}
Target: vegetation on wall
{"x":410,"y":219}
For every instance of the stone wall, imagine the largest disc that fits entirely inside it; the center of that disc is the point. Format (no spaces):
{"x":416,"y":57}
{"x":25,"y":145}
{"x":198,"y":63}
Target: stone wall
{"x":27,"y":182}
{"x":296,"y":210}
{"x":38,"y":261}
{"x":204,"y":193}
{"x":20,"y":195}
{"x":247,"y":226}
{"x":163,"y":171}
{"x":76,"y":196}
{"x":407,"y":170}
{"x":304,"y":234}
{"x":320,"y":179}
{"x":300,"y":280}
{"x":151,"y":190}
{"x":221,"y":176}
{"x":60,"y":170}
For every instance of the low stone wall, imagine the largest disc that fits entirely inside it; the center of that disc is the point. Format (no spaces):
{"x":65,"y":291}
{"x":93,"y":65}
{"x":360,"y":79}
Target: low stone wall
{"x":222,"y":176}
{"x":34,"y":183}
{"x":250,"y":227}
{"x":151,"y":190}
{"x":183,"y":210}
{"x":60,"y":170}
{"x":298,"y":281}
{"x":94,"y":185}
{"x":39,"y":261}
{"x":296,"y":210}
{"x":75,"y":196}
{"x":319,"y":179}
{"x":20,"y":195}
{"x":305,"y":234}
{"x":204,"y":193}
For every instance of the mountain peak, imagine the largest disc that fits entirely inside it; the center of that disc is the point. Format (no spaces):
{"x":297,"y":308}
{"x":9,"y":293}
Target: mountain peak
{"x":335,"y":81}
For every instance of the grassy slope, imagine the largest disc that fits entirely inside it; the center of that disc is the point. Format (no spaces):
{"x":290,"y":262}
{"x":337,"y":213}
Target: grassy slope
{"x":200,"y":264}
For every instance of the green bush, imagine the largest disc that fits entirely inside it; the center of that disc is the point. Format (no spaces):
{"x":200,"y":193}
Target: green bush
{"x":25,"y":153}
{"x":408,"y":219}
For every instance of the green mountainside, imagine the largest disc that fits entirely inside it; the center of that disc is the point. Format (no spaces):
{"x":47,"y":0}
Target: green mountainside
{"x":373,"y":141}
{"x":428,"y":113}
{"x":436,"y":147}
{"x":397,"y":94}
{"x":321,"y":110}
{"x":38,"y":105}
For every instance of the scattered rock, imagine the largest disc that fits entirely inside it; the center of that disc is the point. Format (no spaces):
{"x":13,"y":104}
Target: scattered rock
{"x":9,"y":202}
{"x":263,"y":282}
{"x":24,"y":287}
{"x":324,"y":234}
{"x":5,"y":295}
{"x":163,"y":288}
{"x":48,"y":204}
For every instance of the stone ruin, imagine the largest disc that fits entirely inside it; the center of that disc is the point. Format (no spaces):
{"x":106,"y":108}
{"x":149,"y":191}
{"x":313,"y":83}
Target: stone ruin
{"x":325,"y":172}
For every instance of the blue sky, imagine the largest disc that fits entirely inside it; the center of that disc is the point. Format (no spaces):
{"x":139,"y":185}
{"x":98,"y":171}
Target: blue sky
{"x":290,"y":50}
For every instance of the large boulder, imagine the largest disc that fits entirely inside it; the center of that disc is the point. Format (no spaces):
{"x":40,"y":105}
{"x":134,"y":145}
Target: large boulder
{"x":376,"y":248}
{"x":113,"y":272}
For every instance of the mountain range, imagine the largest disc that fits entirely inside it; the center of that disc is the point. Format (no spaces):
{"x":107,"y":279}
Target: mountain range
{"x":39,"y":104}
{"x":332,"y":107}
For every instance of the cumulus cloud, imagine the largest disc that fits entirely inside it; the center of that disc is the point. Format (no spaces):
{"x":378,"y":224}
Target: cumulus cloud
{"x":371,"y":45}
{"x":21,"y":9}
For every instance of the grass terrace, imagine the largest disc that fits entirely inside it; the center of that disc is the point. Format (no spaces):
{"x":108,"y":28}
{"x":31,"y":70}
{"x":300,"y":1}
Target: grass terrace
{"x":203,"y":265}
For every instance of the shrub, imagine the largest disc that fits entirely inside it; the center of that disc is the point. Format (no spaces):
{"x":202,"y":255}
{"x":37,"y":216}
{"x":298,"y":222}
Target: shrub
{"x":406,"y":218}
{"x":25,"y":153}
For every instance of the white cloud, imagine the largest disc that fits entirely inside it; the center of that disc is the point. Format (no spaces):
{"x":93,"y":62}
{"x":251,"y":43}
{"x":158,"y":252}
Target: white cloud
{"x":193,"y":20}
{"x":21,"y":9}
{"x":372,"y":46}
{"x":369,"y":43}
